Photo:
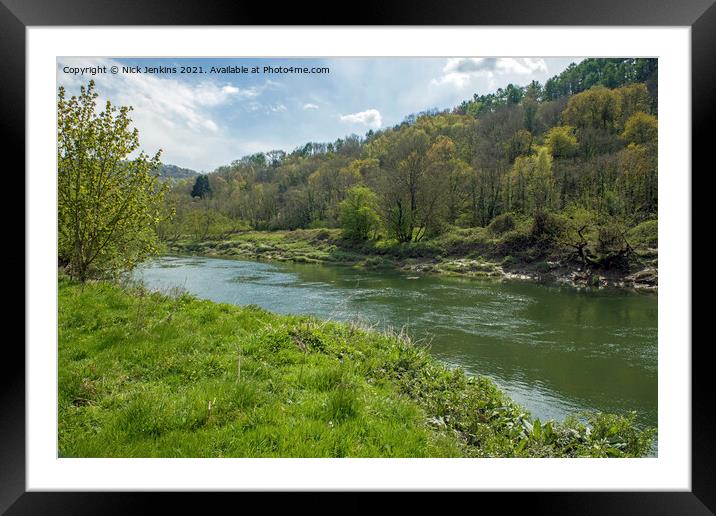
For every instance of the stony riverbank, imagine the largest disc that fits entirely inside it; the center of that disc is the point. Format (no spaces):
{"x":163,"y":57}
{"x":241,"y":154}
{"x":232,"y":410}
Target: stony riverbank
{"x":325,"y":246}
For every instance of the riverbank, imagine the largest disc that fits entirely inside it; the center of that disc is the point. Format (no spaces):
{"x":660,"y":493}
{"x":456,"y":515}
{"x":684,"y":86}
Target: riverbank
{"x":471,"y":252}
{"x":166,"y":375}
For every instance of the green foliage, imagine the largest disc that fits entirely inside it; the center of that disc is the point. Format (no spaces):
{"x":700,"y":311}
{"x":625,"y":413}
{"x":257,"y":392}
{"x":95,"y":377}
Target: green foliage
{"x":149,"y":375}
{"x":358,"y":213}
{"x":201,"y":188}
{"x":596,"y":108}
{"x":207,"y":224}
{"x":562,"y":141}
{"x":638,"y":181}
{"x":108,"y":205}
{"x":641,"y":128}
{"x":610,"y":73}
{"x":645,"y":234}
{"x":541,"y":182}
{"x":502,"y":223}
{"x":547,"y":226}
{"x":611,"y":238}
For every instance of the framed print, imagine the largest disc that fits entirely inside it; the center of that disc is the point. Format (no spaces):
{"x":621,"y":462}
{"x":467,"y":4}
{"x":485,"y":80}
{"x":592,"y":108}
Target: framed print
{"x":389,"y":256}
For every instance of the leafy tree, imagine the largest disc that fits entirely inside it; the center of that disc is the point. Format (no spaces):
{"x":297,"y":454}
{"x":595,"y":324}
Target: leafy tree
{"x":358,"y":213}
{"x":108,"y":205}
{"x":638,"y":181}
{"x":531,"y":184}
{"x":597,"y":108}
{"x":202,"y":188}
{"x":516,"y":190}
{"x":611,"y":73}
{"x":641,"y":128}
{"x":562,"y":141}
{"x":519,"y":144}
{"x":403,"y":186}
{"x":633,"y":98}
{"x":541,"y":182}
{"x":205,"y":222}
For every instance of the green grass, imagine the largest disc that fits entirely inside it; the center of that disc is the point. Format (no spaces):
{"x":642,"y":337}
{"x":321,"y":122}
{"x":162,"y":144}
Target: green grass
{"x":150,"y":375}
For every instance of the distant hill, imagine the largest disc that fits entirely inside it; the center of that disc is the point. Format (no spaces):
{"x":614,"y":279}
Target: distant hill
{"x":174,"y":172}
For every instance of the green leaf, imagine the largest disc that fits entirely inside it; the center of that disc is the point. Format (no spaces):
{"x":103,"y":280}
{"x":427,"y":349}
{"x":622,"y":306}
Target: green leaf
{"x":537,"y":429}
{"x":521,"y":446}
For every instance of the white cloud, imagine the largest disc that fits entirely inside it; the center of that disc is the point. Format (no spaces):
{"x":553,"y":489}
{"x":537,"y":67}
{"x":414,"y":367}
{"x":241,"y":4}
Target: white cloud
{"x":175,"y":116}
{"x":369,"y":118}
{"x":310,"y":106}
{"x":460,"y":71}
{"x":277,"y":108}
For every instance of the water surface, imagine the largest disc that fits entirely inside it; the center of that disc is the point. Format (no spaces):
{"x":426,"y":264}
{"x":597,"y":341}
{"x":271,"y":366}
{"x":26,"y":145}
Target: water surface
{"x":555,"y":350}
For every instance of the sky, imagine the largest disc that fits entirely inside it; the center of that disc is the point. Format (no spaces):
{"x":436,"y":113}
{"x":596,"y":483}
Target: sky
{"x":205,"y":118}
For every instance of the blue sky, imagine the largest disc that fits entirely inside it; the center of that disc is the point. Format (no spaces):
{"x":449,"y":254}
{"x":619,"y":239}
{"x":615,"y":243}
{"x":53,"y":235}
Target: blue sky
{"x":205,"y":120}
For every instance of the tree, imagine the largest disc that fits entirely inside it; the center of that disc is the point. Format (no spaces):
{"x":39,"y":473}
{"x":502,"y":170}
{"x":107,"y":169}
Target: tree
{"x":633,"y":98}
{"x":639,"y":179}
{"x":641,"y":128}
{"x":596,"y":108}
{"x":519,"y":144}
{"x":562,"y":142}
{"x":202,"y":188}
{"x":516,"y":182}
{"x":530,"y":184}
{"x":108,"y":205}
{"x":541,"y":182}
{"x":358,"y":213}
{"x":403,"y":186}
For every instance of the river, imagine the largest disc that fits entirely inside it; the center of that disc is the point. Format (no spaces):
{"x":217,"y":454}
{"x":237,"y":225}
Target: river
{"x":555,"y":350}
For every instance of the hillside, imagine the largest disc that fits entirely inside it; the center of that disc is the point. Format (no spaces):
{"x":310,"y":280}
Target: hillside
{"x":174,"y":172}
{"x":563,"y":172}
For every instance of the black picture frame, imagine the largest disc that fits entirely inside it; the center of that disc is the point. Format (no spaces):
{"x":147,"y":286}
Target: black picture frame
{"x":17,"y":15}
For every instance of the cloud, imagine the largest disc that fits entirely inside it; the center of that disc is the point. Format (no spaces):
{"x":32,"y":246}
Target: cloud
{"x":182,"y":103}
{"x":494,"y":64}
{"x":369,"y":118}
{"x":459,"y":71}
{"x":310,"y":106}
{"x":277,"y":108}
{"x":177,"y":116}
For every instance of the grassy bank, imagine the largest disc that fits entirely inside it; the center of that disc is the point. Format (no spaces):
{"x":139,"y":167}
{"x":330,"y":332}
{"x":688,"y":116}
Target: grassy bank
{"x":480,"y":252}
{"x":146,"y":374}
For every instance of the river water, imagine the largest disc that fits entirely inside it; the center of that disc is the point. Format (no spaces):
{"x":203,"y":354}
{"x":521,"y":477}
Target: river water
{"x":555,"y":350}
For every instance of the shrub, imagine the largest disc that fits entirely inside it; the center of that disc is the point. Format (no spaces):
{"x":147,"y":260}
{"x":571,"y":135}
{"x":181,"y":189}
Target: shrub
{"x":502,"y":223}
{"x":547,"y":226}
{"x":509,"y":260}
{"x":514,"y":242}
{"x":646,"y":234}
{"x":610,"y":239}
{"x":323,"y":234}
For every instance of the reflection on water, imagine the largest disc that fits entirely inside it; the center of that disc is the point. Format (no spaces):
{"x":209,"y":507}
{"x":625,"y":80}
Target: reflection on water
{"x":553,"y":349}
